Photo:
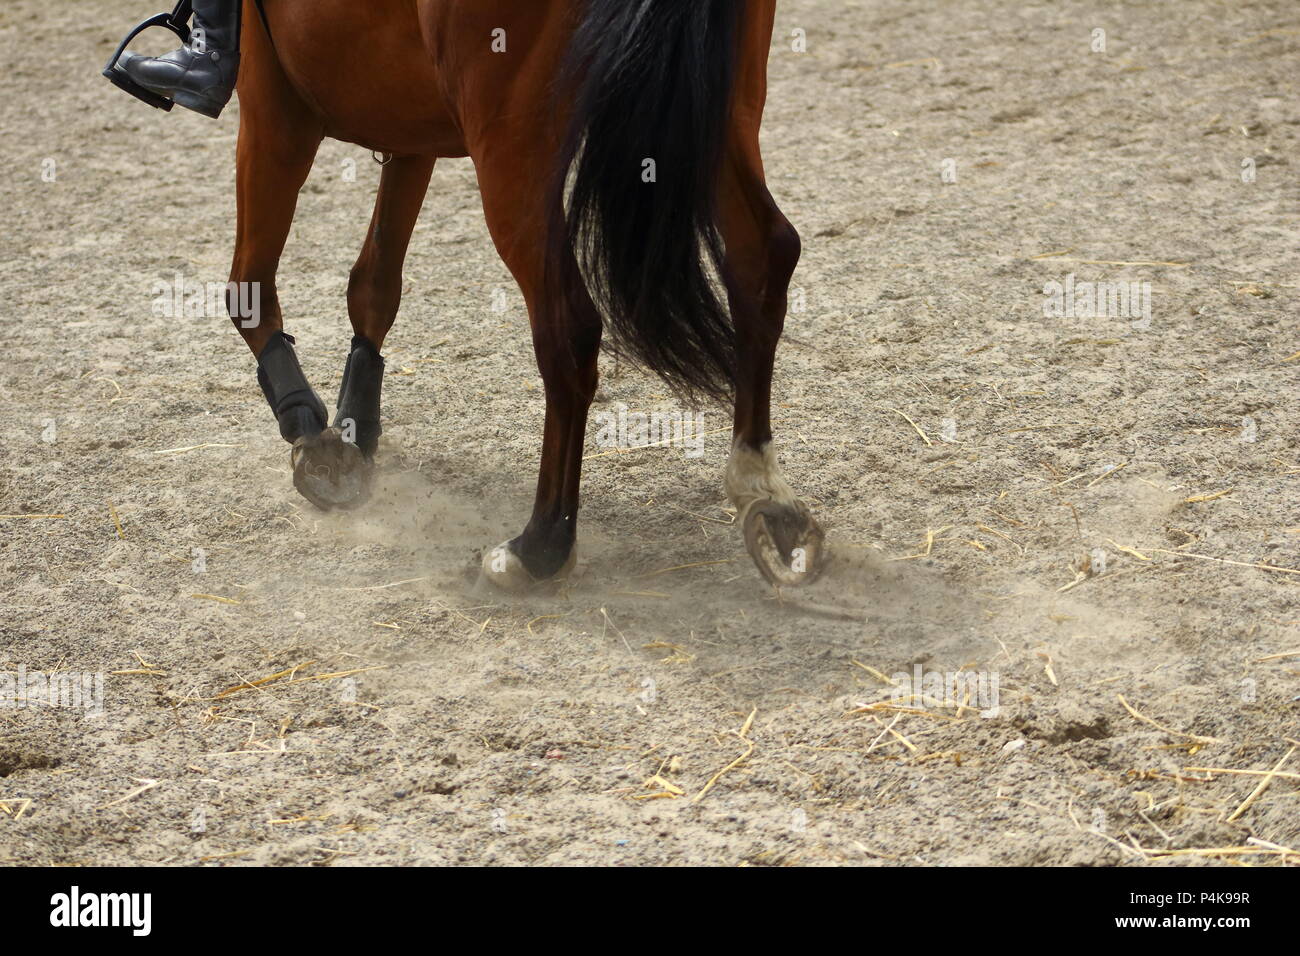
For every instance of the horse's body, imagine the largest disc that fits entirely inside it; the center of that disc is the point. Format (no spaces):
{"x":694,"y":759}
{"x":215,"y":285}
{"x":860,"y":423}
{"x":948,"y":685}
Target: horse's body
{"x":530,"y":90}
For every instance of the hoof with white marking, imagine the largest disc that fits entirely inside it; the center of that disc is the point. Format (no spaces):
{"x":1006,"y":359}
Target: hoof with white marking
{"x":504,"y":570}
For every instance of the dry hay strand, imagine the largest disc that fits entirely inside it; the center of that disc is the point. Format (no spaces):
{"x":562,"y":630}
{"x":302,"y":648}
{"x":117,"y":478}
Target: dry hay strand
{"x":1061,"y":257}
{"x":680,"y":654}
{"x":661,"y":787}
{"x":878,"y":675}
{"x":248,"y":685}
{"x":280,"y":675}
{"x":743,"y":735}
{"x":1006,"y":537}
{"x":1240,"y":564}
{"x":1263,"y":785}
{"x":7,"y":807}
{"x":930,"y":537}
{"x":1106,"y":474}
{"x":145,"y":785}
{"x":1242,"y":773}
{"x":1287,"y":855}
{"x":1195,"y":738}
{"x":206,"y":444}
{"x":305,"y":818}
{"x":1195,"y":499}
{"x":683,"y":567}
{"x":543,"y":617}
{"x":924,"y":437}
{"x":893,"y":706}
{"x":117,"y":522}
{"x":1126,"y":550}
{"x":384,"y":587}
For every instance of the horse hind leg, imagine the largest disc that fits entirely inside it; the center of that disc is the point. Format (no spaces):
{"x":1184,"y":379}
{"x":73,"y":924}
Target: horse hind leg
{"x":781,"y":534}
{"x":566,"y":344}
{"x":337,"y":465}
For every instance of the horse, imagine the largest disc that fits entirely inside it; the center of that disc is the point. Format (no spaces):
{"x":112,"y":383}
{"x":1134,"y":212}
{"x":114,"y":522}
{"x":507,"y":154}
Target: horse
{"x":616,"y":145}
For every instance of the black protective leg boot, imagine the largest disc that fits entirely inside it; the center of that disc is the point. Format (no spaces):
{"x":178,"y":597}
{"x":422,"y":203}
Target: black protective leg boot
{"x":359,"y":395}
{"x":297,"y":407}
{"x":200,"y":75}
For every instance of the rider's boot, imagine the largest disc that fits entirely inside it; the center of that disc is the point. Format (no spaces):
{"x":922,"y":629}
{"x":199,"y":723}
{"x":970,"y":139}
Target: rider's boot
{"x":200,"y":75}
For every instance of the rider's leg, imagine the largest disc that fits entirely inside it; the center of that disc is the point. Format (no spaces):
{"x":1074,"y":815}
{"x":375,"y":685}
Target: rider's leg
{"x":200,"y":75}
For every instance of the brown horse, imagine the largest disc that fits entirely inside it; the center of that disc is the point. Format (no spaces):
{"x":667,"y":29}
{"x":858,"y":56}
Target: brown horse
{"x":617,"y":149}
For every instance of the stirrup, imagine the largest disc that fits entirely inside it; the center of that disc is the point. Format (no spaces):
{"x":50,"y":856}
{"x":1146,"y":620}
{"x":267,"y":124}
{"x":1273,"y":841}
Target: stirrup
{"x":178,"y":22}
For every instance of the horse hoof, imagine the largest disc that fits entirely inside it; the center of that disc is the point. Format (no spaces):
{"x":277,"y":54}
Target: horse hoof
{"x":785,"y":541}
{"x":330,"y":472}
{"x":505,"y":571}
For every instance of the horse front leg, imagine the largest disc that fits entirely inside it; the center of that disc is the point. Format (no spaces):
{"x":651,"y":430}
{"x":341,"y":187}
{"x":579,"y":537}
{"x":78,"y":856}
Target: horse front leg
{"x":374,"y":295}
{"x":278,"y":139}
{"x":336,"y":466}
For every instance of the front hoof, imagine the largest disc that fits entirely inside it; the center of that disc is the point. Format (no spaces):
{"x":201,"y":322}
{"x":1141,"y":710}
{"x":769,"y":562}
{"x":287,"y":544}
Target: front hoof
{"x":785,"y":541}
{"x":504,"y":570}
{"x":330,"y":472}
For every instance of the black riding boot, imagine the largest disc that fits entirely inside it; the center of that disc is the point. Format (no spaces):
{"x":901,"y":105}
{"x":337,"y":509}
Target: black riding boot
{"x":200,"y":75}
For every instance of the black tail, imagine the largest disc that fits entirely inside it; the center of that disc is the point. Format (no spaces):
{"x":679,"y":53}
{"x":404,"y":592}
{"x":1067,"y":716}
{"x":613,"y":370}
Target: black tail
{"x":652,"y":84}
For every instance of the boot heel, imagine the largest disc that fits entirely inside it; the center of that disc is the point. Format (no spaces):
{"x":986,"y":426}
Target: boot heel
{"x":199,"y":104}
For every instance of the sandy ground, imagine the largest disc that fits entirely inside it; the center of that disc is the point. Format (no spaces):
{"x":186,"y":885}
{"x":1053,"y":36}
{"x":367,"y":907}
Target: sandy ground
{"x":590,"y":726}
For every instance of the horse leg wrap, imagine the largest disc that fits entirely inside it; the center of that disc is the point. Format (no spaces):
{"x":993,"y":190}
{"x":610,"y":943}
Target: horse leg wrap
{"x":359,"y":396}
{"x":297,"y":407}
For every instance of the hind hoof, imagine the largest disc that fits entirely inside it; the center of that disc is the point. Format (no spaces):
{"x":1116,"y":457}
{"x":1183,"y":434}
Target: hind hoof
{"x":785,"y":541}
{"x":505,"y":571}
{"x":330,"y":472}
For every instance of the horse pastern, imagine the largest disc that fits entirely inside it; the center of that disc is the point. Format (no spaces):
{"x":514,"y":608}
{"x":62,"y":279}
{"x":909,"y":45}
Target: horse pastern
{"x":754,"y":475}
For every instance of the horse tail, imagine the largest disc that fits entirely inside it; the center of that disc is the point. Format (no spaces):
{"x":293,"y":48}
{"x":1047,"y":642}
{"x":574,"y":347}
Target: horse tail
{"x":651,"y":86}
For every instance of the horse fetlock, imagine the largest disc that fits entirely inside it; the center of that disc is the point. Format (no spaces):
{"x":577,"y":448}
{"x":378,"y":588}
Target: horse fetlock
{"x":753,"y":475}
